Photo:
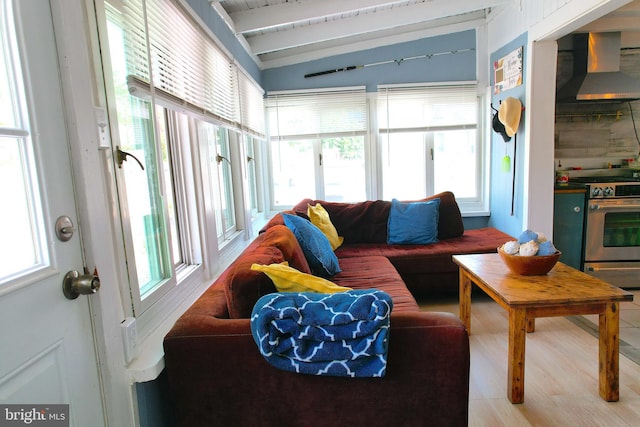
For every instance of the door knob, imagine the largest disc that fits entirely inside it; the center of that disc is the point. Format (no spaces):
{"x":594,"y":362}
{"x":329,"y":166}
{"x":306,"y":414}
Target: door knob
{"x":75,"y":284}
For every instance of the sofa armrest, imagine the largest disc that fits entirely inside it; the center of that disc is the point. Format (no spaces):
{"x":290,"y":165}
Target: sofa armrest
{"x":218,"y":377}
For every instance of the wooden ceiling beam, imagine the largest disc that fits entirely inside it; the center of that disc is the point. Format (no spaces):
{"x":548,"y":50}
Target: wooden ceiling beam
{"x":261,"y":18}
{"x":357,"y":43}
{"x":366,"y":23}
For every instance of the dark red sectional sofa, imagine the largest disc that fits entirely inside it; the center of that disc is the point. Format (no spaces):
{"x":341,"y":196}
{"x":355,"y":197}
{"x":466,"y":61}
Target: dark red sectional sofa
{"x":218,"y":378}
{"x":425,"y":269}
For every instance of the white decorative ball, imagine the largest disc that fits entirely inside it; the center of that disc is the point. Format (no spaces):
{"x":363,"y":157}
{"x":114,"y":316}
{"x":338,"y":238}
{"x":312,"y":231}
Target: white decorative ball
{"x":528,"y":249}
{"x":512,"y":247}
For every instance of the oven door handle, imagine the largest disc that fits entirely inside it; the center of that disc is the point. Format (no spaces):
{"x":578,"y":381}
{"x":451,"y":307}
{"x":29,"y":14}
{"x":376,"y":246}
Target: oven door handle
{"x":596,"y":269}
{"x":601,"y":207}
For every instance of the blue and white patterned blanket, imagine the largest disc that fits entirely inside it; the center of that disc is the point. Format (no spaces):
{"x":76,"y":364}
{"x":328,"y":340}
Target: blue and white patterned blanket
{"x":340,"y":334}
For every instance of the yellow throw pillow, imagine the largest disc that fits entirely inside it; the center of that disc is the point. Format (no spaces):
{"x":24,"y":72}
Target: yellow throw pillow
{"x":288,"y":279}
{"x":320,"y":218}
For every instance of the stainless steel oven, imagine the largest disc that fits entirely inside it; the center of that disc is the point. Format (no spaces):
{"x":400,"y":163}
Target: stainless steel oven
{"x":612,"y":233}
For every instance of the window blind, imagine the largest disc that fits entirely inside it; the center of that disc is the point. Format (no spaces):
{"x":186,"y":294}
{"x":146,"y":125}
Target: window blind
{"x":251,"y":105}
{"x":184,"y":67}
{"x":310,"y":114}
{"x":429,"y":107}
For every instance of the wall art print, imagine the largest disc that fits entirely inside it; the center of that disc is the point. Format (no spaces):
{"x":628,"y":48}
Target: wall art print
{"x":507,"y":71}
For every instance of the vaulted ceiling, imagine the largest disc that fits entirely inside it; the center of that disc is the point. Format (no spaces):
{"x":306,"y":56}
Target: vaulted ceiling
{"x":284,"y":32}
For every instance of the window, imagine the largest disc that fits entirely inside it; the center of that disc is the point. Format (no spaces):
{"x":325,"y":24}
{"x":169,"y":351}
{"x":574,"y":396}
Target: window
{"x":329,"y":169}
{"x":432,"y":161}
{"x":293,"y":171}
{"x":343,"y":165}
{"x":252,"y":150}
{"x":219,"y":149}
{"x":428,"y":136}
{"x":180,"y":104}
{"x":404,"y":159}
{"x":180,"y":183}
{"x":168,"y":176}
{"x":427,"y":142}
{"x":317,"y":145}
{"x":24,"y":246}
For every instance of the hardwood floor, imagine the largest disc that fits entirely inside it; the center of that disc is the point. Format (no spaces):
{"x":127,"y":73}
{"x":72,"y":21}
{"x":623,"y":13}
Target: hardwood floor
{"x":561,"y":374}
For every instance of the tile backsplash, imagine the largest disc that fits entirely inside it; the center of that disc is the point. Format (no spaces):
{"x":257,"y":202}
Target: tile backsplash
{"x":592,"y":135}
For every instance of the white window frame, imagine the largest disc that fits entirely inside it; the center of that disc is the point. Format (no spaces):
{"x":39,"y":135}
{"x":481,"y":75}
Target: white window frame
{"x":186,"y":183}
{"x":319,"y":122}
{"x":18,"y":92}
{"x":375,"y":138}
{"x":216,"y":189}
{"x":475,"y":206}
{"x":254,"y":174}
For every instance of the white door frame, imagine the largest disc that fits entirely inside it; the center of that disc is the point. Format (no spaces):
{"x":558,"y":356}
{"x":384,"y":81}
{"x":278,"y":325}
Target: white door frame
{"x":76,"y":38}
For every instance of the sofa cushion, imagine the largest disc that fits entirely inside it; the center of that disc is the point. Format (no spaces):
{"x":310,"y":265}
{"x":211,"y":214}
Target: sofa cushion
{"x":361,"y":222}
{"x":427,"y":259}
{"x":277,"y":219}
{"x":320,"y":218}
{"x":376,"y":272}
{"x":315,"y":245}
{"x":244,"y":286}
{"x":288,"y":279}
{"x":283,"y":238}
{"x":450,"y":219}
{"x":413,"y":222}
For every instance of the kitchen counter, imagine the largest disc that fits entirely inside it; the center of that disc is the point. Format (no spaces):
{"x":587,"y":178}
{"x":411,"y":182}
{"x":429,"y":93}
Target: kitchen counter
{"x":570,"y":187}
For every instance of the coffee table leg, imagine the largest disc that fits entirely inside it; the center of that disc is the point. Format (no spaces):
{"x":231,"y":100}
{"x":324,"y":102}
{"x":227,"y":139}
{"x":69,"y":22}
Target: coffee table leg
{"x":531,"y":325}
{"x":465,"y":299}
{"x":517,"y":337}
{"x":609,"y":346}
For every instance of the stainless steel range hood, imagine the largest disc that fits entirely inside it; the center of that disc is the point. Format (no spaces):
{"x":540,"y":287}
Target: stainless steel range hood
{"x":596,"y":71}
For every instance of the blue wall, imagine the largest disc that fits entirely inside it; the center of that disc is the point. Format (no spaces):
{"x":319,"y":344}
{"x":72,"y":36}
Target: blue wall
{"x":155,"y":407}
{"x":501,"y":181}
{"x":460,"y":66}
{"x":456,"y":67}
{"x":215,"y":23}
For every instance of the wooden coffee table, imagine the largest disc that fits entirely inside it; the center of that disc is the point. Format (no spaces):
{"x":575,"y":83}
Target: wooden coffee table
{"x":564,"y":291}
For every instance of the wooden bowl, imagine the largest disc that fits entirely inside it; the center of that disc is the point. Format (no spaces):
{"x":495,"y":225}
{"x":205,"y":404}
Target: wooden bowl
{"x":529,"y":265}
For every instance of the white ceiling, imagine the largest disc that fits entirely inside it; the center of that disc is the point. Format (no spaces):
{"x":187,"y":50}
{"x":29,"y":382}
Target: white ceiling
{"x":284,"y":32}
{"x":625,"y":20}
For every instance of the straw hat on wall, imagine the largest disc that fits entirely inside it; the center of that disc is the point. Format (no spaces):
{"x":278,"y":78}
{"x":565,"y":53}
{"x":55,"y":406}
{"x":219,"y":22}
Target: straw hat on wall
{"x":509,"y":114}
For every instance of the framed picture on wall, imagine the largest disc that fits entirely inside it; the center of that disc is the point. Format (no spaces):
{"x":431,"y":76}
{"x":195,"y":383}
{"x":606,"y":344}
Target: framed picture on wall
{"x":507,"y":71}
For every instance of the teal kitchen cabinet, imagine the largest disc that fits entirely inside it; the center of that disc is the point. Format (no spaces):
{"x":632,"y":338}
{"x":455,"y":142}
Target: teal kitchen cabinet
{"x":568,"y":225}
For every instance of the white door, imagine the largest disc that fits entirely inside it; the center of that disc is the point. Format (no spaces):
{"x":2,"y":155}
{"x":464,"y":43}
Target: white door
{"x":47,"y":354}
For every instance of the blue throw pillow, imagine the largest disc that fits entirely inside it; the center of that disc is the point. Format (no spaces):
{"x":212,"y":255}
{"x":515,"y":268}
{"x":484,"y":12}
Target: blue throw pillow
{"x":413,"y":223}
{"x":315,"y":245}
